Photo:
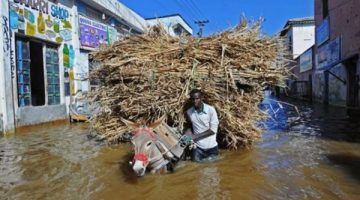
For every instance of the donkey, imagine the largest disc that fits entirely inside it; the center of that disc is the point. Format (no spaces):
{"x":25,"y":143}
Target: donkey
{"x":151,"y":149}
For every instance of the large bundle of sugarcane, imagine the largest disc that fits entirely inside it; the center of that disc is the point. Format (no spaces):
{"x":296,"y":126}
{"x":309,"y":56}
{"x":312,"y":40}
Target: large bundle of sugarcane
{"x":143,"y":77}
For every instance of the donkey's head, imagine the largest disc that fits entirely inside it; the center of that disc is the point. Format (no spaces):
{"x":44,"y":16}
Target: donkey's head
{"x":145,"y":144}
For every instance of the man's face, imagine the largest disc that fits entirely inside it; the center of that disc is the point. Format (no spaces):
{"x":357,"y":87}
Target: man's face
{"x":196,"y":99}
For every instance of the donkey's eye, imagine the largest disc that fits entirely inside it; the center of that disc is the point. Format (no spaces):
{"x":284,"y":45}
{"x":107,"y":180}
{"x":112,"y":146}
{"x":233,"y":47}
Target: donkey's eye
{"x":149,"y":143}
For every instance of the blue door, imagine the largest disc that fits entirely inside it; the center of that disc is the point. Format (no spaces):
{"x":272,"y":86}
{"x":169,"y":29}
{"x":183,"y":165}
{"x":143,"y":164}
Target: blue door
{"x":23,"y":72}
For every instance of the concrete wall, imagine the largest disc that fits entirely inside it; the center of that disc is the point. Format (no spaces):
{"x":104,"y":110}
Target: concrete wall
{"x":337,"y":89}
{"x":39,"y":114}
{"x":318,"y":94}
{"x":6,"y":70}
{"x":122,"y":12}
{"x":303,"y":38}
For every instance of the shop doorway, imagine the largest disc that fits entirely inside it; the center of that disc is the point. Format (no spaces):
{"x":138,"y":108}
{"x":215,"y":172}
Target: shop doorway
{"x":37,"y":74}
{"x":30,"y":64}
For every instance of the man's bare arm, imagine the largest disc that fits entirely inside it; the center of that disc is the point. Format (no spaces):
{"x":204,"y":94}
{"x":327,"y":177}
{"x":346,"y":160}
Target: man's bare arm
{"x":202,"y":135}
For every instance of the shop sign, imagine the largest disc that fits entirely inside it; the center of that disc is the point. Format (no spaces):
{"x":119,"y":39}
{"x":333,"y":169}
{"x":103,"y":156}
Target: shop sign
{"x":306,"y":62}
{"x":41,"y":19}
{"x":322,"y":32}
{"x":92,"y":34}
{"x":43,"y":6}
{"x":329,"y":53}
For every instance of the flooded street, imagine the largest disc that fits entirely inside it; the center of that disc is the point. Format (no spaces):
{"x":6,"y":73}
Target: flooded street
{"x":316,"y":158}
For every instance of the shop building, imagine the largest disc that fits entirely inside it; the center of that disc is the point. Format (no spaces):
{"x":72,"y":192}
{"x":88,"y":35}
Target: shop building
{"x":337,"y":48}
{"x":44,"y":54}
{"x":299,"y":37}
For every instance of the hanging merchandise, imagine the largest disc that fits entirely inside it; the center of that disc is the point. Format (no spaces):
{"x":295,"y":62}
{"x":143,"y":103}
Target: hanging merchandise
{"x":30,"y":29}
{"x":21,"y":22}
{"x":41,"y":23}
{"x":14,"y":19}
{"x":48,"y":22}
{"x":59,"y":39}
{"x":66,"y":24}
{"x":29,"y":15}
{"x":50,"y":34}
{"x":66,"y":34}
{"x":72,"y":84}
{"x":56,"y":26}
{"x":71,"y":56}
{"x":66,"y":56}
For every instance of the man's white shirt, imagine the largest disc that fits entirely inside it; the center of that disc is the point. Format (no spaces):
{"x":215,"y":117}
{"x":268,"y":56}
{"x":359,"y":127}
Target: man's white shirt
{"x":201,"y":122}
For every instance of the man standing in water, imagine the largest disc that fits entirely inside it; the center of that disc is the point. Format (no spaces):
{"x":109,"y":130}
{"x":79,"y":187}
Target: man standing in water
{"x":203,"y":121}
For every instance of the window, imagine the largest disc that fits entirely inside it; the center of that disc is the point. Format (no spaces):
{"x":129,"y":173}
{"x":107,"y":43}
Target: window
{"x":52,"y":73}
{"x":290,"y":43}
{"x":325,"y":10}
{"x":94,"y":14}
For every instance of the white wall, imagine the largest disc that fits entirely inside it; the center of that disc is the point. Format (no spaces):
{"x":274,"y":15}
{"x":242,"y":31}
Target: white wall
{"x":6,"y":70}
{"x":169,"y":22}
{"x":123,"y":12}
{"x":303,"y":36}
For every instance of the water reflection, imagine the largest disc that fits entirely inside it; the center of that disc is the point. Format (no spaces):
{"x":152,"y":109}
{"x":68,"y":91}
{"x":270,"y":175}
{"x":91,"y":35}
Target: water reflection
{"x":209,"y":184}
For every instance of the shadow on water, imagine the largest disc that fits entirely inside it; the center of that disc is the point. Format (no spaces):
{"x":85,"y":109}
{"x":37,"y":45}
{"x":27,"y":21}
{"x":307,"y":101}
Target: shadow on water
{"x":350,"y":163}
{"x":329,"y":122}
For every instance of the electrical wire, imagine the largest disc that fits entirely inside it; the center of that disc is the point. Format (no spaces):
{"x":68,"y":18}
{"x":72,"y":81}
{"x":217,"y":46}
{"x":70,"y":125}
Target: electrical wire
{"x":216,"y":27}
{"x":184,"y":9}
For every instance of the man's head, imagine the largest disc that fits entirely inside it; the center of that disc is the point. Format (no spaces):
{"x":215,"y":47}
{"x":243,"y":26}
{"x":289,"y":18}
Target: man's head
{"x":196,"y":97}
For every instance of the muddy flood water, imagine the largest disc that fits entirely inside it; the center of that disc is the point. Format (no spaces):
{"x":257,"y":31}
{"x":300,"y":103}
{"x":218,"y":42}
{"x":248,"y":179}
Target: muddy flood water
{"x":318,"y":157}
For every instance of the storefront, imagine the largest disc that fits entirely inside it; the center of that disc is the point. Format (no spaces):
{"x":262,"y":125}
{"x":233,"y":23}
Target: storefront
{"x":93,"y":35}
{"x":43,"y":54}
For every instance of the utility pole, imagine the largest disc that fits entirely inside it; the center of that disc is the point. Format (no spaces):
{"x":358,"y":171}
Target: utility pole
{"x":201,"y":25}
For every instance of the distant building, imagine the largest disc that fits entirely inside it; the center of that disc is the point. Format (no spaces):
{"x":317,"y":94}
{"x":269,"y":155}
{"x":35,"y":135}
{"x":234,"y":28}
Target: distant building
{"x":337,"y":48}
{"x":299,"y":37}
{"x":175,"y":24}
{"x":299,"y":34}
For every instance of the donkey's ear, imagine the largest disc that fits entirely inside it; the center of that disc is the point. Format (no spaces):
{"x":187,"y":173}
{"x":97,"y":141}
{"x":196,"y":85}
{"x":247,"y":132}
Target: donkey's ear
{"x":157,"y":122}
{"x":130,"y":124}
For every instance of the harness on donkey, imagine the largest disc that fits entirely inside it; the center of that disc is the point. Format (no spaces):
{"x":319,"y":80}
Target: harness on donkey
{"x":157,"y":146}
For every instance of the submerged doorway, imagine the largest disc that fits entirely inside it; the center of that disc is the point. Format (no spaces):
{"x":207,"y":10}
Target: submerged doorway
{"x":352,"y":86}
{"x":37,"y":74}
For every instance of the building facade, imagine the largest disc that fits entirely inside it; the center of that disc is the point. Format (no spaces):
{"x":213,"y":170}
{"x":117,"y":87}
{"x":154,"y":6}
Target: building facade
{"x":337,"y":48}
{"x":44,"y":55}
{"x":299,"y":37}
{"x":174,"y":25}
